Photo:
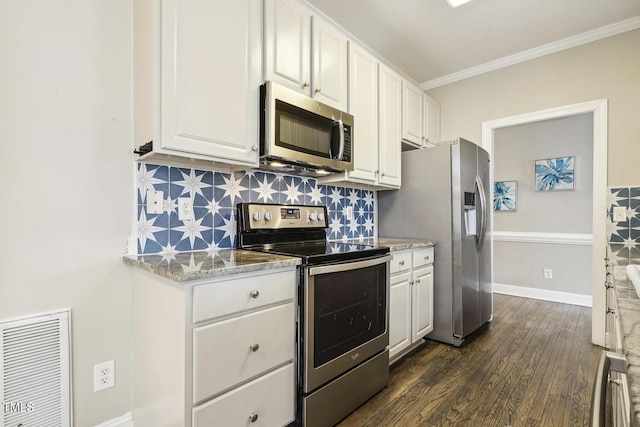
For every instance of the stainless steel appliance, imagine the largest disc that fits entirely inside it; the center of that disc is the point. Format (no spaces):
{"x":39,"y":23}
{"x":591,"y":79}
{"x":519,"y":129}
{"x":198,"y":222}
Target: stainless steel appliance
{"x":343,"y":308}
{"x":444,"y":196}
{"x":299,"y":134}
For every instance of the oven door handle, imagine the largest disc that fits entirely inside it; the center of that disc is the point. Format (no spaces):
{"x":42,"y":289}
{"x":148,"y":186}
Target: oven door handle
{"x":335,"y":268}
{"x":609,"y":361}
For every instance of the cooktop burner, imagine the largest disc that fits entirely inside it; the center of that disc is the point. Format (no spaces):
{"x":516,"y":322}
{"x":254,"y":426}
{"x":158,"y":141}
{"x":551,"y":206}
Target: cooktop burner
{"x":317,"y":252}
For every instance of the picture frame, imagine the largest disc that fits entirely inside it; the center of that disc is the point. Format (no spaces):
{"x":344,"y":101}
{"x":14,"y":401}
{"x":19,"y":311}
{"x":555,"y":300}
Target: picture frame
{"x":555,"y":174}
{"x":505,"y":194}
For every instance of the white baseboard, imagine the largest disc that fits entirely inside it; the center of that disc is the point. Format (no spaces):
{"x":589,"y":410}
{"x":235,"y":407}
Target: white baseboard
{"x":543,"y":294}
{"x":125,"y":420}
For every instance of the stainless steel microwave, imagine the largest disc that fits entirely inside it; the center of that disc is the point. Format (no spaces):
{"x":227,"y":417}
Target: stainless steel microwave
{"x":301,"y":135}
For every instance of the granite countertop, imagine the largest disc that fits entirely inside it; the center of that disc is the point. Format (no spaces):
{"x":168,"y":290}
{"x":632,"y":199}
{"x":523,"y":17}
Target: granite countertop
{"x":629,"y":315}
{"x":185,"y":266}
{"x":398,"y":244}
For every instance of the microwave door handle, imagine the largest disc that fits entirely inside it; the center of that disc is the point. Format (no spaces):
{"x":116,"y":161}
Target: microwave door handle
{"x":340,"y":125}
{"x":341,"y":129}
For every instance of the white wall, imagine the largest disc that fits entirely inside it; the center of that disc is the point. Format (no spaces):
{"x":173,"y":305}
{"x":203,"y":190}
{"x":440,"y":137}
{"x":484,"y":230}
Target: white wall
{"x":608,"y":68}
{"x":66,"y":173}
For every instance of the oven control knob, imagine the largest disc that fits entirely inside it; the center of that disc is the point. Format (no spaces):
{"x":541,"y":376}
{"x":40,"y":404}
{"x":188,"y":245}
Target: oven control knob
{"x":313,"y":216}
{"x":256,"y":216}
{"x":320,"y":217}
{"x":267,"y":216}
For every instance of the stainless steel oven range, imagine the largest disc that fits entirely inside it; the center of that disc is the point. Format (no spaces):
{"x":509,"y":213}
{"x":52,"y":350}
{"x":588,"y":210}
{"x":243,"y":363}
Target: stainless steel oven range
{"x":343,"y":294}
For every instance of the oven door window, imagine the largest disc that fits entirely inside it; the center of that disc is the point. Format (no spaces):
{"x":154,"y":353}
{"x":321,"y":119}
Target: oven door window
{"x":349,"y":309}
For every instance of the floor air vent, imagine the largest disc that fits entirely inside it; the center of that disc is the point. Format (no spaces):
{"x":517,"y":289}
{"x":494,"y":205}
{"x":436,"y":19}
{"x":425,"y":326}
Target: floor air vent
{"x":34,"y":371}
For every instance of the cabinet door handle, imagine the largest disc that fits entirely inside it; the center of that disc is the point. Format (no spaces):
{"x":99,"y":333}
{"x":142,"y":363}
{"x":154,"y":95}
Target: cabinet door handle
{"x":253,"y":417}
{"x":418,"y":281}
{"x":254,"y":347}
{"x":411,"y":282}
{"x":254,"y":294}
{"x":254,"y":148}
{"x":318,"y":90}
{"x":305,"y":84}
{"x":382,"y":174}
{"x":401,"y":263}
{"x":426,"y":258}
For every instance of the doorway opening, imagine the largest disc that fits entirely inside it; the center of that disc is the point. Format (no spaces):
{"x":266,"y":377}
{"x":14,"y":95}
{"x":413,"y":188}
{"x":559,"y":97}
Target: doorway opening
{"x":599,"y":110}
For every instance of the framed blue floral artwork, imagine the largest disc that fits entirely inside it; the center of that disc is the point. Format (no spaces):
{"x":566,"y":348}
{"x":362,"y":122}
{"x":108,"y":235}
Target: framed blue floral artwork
{"x":504,"y":195}
{"x":555,"y":174}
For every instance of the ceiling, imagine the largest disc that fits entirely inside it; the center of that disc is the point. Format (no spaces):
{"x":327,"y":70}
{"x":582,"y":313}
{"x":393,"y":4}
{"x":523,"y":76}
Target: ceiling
{"x":435,"y":44}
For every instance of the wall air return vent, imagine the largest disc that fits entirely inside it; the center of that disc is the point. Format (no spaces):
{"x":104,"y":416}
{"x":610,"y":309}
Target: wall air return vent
{"x":35,"y":389}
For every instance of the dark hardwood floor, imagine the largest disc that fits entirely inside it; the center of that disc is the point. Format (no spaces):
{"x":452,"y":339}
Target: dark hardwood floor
{"x":533,"y":366}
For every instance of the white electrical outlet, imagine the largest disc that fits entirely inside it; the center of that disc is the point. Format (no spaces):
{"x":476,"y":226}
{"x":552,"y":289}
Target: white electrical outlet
{"x":349,"y":213}
{"x":104,"y":375}
{"x":619,"y":213}
{"x":185,"y":208}
{"x":155,"y":201}
{"x":548,"y":273}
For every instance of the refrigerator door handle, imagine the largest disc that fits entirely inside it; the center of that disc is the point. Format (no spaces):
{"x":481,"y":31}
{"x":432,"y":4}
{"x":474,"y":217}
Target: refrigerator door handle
{"x":483,"y":214}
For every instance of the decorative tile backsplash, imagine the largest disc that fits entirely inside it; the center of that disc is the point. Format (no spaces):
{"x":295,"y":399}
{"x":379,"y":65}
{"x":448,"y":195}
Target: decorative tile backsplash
{"x":215,"y":196}
{"x":624,"y":236}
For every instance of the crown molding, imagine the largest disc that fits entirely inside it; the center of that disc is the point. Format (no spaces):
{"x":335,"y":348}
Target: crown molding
{"x":557,"y":46}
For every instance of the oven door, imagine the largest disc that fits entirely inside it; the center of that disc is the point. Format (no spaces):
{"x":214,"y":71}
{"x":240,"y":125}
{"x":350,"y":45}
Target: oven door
{"x":346,"y":310}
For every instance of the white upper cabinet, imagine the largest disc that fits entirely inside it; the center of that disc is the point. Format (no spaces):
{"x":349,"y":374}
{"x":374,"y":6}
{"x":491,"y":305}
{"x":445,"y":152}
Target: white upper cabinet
{"x":390,"y":125}
{"x":329,"y":78}
{"x":412,"y":114}
{"x":196,"y":78}
{"x":363,"y":105}
{"x":305,"y":53}
{"x":431,"y":121}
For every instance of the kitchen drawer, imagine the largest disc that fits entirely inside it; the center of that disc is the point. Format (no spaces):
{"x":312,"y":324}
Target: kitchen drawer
{"x":401,"y":261}
{"x":236,"y":295}
{"x":270,"y":397}
{"x":222,"y":356}
{"x":422,"y":257}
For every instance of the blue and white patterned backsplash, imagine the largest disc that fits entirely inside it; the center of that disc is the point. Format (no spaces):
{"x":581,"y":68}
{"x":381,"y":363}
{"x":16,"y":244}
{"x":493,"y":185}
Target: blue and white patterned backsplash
{"x":215,"y":196}
{"x":624,"y":236}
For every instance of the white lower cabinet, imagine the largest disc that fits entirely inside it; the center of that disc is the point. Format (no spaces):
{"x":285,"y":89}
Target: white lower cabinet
{"x":214,"y":352}
{"x":410,"y":301}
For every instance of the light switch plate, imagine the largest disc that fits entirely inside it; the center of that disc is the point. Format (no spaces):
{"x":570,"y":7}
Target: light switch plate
{"x":155,"y":201}
{"x":619,"y":213}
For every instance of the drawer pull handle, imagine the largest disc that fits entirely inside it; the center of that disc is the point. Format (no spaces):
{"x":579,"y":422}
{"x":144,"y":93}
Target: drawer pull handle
{"x":254,"y":294}
{"x":254,"y":347}
{"x":418,"y":281}
{"x":253,"y":417}
{"x":426,"y":258}
{"x":401,"y":263}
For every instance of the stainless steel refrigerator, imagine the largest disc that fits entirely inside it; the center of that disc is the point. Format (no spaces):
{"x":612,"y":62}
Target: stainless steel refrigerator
{"x":445,"y":197}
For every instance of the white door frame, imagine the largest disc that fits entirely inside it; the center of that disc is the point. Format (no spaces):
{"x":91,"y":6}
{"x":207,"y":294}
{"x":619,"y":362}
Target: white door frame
{"x":599,"y":108}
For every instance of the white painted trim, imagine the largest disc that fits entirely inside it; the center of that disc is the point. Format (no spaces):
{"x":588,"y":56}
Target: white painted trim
{"x":557,"y":46}
{"x":125,"y":420}
{"x":599,"y":109}
{"x":549,"y":238}
{"x":543,"y":294}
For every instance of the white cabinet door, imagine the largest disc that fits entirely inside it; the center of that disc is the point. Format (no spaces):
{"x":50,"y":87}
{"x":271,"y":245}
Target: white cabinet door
{"x":412,"y":115}
{"x":399,"y":313}
{"x":210,"y":73}
{"x":431,"y":121}
{"x":329,"y":77}
{"x":287,"y":44}
{"x":294,"y":40}
{"x":390,"y":123}
{"x":363,"y":105}
{"x":422,"y":301}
